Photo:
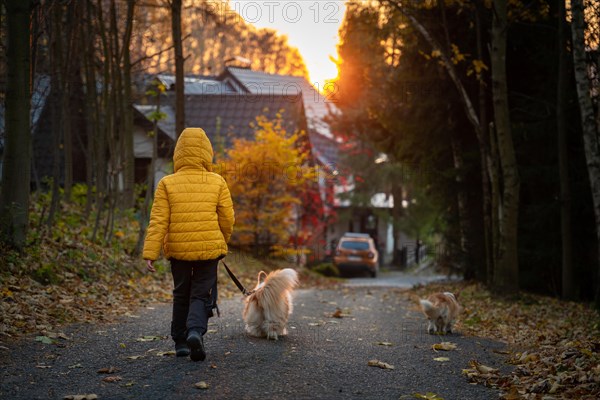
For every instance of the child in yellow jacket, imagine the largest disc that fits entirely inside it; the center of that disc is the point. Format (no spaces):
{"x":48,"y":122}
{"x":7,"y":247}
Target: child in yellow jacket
{"x":191,"y":221}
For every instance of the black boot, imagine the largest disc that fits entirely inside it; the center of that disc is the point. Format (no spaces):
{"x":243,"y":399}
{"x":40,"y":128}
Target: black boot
{"x":196,"y":344}
{"x":181,"y":349}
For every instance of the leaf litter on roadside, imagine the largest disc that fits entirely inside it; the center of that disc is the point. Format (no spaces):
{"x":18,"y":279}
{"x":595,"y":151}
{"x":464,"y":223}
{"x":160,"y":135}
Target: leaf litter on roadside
{"x":553,"y":345}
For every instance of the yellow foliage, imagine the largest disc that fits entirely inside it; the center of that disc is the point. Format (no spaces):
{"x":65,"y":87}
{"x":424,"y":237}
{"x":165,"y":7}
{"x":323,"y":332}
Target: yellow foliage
{"x":265,"y":177}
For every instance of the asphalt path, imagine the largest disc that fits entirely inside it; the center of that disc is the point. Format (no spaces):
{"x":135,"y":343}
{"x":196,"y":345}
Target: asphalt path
{"x":323,"y":357}
{"x":395,"y":279}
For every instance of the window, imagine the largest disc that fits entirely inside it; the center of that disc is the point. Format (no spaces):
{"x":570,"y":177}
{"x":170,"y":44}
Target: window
{"x":352,"y":245}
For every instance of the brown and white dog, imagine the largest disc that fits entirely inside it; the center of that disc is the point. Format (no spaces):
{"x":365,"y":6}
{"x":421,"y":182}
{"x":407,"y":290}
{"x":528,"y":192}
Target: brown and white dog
{"x":269,"y":305}
{"x":441,"y":309}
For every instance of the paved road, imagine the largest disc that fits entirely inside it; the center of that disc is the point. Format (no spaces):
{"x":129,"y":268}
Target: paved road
{"x":322,"y":358}
{"x":395,"y":279}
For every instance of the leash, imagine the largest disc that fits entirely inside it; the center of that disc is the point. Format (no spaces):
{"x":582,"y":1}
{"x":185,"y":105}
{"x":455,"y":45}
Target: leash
{"x":236,"y":281}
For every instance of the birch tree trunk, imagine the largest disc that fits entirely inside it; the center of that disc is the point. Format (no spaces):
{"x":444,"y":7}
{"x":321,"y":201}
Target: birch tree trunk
{"x":506,"y":277}
{"x":588,"y":121}
{"x":16,"y":171}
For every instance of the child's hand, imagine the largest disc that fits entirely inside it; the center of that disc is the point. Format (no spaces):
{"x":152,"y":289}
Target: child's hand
{"x":149,"y":266}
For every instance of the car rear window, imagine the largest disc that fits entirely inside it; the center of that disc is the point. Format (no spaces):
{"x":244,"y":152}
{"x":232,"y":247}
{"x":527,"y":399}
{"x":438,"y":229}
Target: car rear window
{"x":354,"y":245}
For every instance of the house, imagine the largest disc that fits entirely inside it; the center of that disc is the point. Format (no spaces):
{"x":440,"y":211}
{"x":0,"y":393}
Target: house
{"x":226,"y":105}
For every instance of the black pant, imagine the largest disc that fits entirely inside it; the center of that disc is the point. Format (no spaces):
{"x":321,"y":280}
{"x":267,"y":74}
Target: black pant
{"x":194,"y":296}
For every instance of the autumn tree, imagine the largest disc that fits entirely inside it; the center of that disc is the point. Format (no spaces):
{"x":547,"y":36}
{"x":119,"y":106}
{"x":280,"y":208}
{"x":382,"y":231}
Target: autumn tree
{"x":212,"y":33}
{"x":265,"y":176}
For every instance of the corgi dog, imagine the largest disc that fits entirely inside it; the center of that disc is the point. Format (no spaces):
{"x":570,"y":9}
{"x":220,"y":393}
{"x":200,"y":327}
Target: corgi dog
{"x":441,"y":309}
{"x":269,"y":305}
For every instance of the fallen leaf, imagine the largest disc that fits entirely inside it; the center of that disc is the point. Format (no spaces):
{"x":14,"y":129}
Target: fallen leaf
{"x":41,"y":366}
{"x":81,"y":397}
{"x":166,"y":353}
{"x":75,"y":366}
{"x":201,"y":385}
{"x":380,"y":364}
{"x":44,"y":339}
{"x":111,"y":379}
{"x":211,"y":331}
{"x":383,"y":343}
{"x":446,"y":346}
{"x":428,"y":396}
{"x":483,"y":369}
{"x":134,"y":357}
{"x":109,"y":370}
{"x":441,"y":359}
{"x":148,"y":339}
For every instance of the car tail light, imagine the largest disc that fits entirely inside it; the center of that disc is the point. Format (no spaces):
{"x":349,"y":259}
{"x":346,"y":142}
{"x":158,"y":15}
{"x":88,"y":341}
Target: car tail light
{"x":371,"y":255}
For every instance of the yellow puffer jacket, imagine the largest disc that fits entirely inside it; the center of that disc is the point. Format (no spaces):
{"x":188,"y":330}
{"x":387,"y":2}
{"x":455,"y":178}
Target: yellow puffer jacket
{"x":192,"y":215}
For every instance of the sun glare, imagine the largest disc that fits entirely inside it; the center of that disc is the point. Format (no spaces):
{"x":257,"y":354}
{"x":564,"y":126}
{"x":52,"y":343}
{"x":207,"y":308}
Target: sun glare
{"x":311,"y":26}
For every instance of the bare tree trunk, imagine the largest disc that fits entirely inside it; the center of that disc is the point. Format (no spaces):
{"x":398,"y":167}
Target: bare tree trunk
{"x":16,"y":171}
{"x":397,"y":212}
{"x":506,"y":277}
{"x":462,"y":208}
{"x":484,"y":155}
{"x":91,"y":105}
{"x":494,"y":174}
{"x":57,"y":106}
{"x":179,"y":67}
{"x":590,"y":128}
{"x":568,"y":288}
{"x":127,"y":114}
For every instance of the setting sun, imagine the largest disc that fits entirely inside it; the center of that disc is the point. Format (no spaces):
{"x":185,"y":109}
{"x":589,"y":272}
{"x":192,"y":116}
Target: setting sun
{"x":311,"y":26}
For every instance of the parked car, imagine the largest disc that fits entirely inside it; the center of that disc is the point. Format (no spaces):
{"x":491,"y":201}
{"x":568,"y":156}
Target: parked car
{"x":356,"y":252}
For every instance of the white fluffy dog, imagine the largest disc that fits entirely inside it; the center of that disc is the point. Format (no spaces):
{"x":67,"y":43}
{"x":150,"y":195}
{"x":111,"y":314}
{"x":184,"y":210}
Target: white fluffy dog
{"x":269,"y":305}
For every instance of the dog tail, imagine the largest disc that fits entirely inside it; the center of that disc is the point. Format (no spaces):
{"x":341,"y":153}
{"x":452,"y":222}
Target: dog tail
{"x":426,"y":306}
{"x":282,"y":280}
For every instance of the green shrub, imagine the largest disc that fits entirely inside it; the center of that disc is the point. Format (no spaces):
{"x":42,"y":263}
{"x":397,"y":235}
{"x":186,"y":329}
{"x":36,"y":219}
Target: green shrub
{"x":46,"y":275}
{"x":326,"y":269}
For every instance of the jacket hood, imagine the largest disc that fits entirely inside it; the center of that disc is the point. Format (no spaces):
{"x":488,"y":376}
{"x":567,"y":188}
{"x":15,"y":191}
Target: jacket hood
{"x":193,"y":150}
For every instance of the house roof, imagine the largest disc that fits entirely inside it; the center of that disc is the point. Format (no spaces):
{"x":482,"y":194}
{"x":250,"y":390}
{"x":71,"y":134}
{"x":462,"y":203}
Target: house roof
{"x":316,"y":106}
{"x":231,"y":116}
{"x":199,"y":85}
{"x":166,"y":125}
{"x":227,"y":105}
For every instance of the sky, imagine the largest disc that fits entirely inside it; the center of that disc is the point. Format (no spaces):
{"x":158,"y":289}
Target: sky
{"x":311,"y":26}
